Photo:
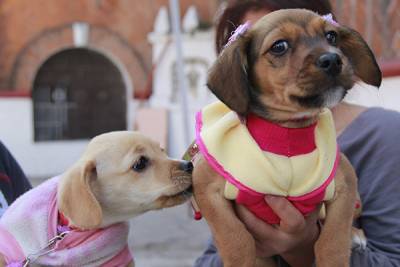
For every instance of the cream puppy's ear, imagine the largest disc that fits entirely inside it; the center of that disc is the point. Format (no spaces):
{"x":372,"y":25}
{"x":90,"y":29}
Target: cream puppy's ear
{"x":76,"y":199}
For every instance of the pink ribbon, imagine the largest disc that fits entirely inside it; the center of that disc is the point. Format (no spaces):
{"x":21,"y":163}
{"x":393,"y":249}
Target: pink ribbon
{"x":329,"y":18}
{"x":239,"y":31}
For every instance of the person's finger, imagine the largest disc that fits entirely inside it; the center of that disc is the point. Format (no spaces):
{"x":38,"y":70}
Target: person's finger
{"x":292,"y":220}
{"x":313,"y":216}
{"x":257,"y":227}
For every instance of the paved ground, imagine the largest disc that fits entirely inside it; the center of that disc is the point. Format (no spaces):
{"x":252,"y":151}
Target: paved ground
{"x":167,"y":238}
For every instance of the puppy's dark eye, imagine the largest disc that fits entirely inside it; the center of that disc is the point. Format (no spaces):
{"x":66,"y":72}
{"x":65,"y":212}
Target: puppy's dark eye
{"x":140,"y":164}
{"x":279,"y":48}
{"x":331,"y":37}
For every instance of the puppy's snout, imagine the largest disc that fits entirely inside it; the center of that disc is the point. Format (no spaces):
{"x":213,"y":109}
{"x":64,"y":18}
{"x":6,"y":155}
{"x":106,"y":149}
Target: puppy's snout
{"x":186,"y":166}
{"x":330,"y":63}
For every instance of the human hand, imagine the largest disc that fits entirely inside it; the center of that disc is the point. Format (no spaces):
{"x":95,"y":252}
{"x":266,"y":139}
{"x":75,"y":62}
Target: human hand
{"x":293,"y":238}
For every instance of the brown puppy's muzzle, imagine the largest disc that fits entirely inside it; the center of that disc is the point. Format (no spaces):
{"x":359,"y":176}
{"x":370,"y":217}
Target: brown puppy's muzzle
{"x":324,"y":79}
{"x":330,"y":63}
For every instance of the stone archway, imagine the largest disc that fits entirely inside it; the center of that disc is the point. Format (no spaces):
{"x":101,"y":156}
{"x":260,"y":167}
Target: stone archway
{"x":129,"y":60}
{"x":78,"y":93}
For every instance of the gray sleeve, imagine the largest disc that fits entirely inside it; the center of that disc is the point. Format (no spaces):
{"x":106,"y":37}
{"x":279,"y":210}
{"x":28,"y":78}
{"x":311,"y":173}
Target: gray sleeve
{"x":372,"y":146}
{"x":369,"y":258}
{"x":210,"y":257}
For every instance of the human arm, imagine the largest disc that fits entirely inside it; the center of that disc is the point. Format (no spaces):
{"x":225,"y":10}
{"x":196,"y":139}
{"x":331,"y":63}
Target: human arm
{"x":13,"y":180}
{"x":379,"y":221}
{"x":210,"y":257}
{"x":374,"y":154}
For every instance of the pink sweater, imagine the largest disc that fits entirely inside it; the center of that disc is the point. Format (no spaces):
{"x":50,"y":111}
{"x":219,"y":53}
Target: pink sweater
{"x":31,"y":221}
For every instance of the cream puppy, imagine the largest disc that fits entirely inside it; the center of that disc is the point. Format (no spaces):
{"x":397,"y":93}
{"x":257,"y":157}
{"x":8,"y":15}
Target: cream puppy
{"x":79,"y":218}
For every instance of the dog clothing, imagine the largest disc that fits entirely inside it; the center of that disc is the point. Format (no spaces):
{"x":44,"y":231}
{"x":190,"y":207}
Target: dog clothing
{"x":258,"y":158}
{"x":31,"y":222}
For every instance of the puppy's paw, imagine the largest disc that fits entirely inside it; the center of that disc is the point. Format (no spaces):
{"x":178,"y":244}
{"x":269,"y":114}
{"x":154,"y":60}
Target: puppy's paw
{"x":358,"y":239}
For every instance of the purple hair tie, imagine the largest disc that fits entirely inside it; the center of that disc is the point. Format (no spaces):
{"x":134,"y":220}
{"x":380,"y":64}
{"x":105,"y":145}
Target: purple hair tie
{"x":329,"y":18}
{"x":62,"y":229}
{"x":239,"y":31}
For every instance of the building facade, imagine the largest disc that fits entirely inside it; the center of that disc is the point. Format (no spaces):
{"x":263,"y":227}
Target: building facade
{"x":73,"y":69}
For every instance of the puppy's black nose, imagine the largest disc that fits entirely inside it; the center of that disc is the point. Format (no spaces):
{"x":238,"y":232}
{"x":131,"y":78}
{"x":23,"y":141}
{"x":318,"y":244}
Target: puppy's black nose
{"x":186,"y":166}
{"x":330,"y":63}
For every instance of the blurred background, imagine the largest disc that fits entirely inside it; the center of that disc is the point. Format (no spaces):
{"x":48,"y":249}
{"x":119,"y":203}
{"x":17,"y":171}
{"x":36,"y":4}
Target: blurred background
{"x":70,"y":70}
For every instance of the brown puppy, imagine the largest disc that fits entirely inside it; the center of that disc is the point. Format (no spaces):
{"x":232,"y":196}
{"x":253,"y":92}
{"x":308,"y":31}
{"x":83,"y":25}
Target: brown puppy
{"x":119,"y":176}
{"x":286,"y":68}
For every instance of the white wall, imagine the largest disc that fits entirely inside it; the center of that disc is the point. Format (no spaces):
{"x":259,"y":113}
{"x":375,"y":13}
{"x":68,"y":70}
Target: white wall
{"x":387,"y":96}
{"x":37,"y":159}
{"x":197,"y":45}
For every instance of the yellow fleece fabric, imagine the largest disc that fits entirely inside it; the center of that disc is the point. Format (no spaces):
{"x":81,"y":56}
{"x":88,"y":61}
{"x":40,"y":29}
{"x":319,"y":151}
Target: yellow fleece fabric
{"x":229,"y":142}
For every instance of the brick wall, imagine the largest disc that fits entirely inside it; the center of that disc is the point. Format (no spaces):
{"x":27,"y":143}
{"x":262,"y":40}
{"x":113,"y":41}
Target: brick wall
{"x":377,"y":20}
{"x":31,"y":31}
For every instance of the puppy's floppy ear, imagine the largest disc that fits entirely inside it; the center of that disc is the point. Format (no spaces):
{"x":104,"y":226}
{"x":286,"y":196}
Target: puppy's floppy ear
{"x":75,"y":197}
{"x":228,"y":77}
{"x":360,"y":55}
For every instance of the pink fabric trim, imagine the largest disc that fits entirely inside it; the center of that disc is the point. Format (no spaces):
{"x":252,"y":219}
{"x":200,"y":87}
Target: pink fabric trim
{"x":9,"y":247}
{"x":280,"y":140}
{"x":214,"y":163}
{"x":122,"y":259}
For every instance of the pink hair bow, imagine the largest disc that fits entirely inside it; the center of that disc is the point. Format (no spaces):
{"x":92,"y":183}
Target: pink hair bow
{"x":239,"y":31}
{"x":329,"y":18}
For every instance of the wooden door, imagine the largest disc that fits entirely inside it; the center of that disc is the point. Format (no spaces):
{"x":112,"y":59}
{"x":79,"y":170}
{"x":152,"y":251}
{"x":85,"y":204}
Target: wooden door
{"x":77,"y":94}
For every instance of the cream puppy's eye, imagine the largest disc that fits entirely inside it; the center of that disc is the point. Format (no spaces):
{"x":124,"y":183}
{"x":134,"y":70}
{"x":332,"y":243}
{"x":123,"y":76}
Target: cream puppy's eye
{"x":140,"y":164}
{"x":279,"y":48}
